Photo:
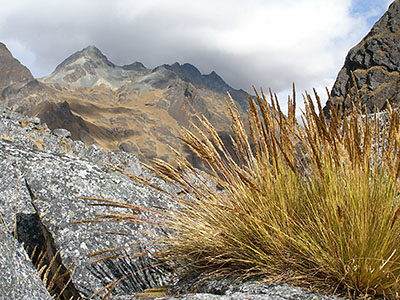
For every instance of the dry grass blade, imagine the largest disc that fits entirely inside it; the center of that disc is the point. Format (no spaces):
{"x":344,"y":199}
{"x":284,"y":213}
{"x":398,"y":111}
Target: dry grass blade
{"x":58,"y":296}
{"x":50,"y":274}
{"x":3,"y":222}
{"x":134,"y":177}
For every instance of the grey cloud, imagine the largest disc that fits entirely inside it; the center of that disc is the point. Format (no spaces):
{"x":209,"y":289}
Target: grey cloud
{"x":52,"y":30}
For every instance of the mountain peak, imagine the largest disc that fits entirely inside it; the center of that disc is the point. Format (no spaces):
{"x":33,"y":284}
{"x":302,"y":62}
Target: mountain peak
{"x":89,"y":54}
{"x":11,"y":69}
{"x":4,"y":51}
{"x":89,"y":67}
{"x":85,"y":68}
{"x":91,"y":48}
{"x":94,"y":52}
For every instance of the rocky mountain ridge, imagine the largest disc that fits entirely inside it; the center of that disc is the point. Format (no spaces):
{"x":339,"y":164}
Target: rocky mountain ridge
{"x":90,"y":67}
{"x":129,"y":108}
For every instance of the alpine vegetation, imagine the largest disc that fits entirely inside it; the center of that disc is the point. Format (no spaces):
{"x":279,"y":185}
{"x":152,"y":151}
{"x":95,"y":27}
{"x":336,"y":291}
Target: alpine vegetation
{"x":314,"y":204}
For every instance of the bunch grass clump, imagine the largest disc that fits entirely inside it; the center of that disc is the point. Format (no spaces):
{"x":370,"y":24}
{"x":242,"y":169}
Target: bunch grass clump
{"x":315,"y":205}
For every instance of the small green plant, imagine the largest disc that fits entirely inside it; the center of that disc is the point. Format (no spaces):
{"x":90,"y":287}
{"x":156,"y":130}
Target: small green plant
{"x":316,"y":205}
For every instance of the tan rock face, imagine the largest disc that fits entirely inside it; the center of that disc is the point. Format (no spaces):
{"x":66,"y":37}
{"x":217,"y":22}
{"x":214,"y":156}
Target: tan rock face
{"x":11,"y":70}
{"x":375,"y":63}
{"x":129,"y":108}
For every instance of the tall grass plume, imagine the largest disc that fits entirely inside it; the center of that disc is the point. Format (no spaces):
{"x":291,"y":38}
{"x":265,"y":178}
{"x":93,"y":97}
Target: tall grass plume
{"x":312,"y":203}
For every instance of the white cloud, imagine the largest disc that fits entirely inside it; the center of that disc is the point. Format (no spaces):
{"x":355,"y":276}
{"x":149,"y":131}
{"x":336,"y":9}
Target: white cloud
{"x":267,"y":43}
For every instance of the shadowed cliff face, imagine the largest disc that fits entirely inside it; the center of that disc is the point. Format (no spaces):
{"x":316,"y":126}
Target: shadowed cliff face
{"x":375,"y":63}
{"x":129,"y":108}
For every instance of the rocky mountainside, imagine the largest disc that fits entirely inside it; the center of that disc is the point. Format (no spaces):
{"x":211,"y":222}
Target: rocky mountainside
{"x":11,"y":69}
{"x":129,"y":108}
{"x":375,"y":63}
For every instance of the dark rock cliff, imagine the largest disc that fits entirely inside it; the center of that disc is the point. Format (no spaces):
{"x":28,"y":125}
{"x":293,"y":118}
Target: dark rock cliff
{"x":375,"y":63}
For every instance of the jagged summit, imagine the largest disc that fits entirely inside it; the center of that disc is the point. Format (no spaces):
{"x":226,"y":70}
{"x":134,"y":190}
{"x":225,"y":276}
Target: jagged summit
{"x":89,"y":67}
{"x":187,"y":71}
{"x":211,"y":81}
{"x":190,"y":73}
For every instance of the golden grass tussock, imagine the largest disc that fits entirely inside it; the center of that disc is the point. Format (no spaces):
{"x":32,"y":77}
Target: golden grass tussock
{"x":313,"y":204}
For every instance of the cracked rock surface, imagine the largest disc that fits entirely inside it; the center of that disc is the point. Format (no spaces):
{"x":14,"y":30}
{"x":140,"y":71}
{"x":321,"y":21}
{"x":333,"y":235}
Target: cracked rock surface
{"x":42,"y":180}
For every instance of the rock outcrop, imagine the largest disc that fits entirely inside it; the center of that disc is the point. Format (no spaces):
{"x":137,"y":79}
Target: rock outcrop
{"x":43,"y":176}
{"x":375,"y":63}
{"x":11,"y":70}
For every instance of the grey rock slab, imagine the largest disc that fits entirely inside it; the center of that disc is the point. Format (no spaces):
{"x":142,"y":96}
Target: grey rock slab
{"x":41,"y":190}
{"x":61,"y":132}
{"x":14,"y":197}
{"x":248,"y":290}
{"x":126,"y":161}
{"x":18,"y":277}
{"x":56,"y":183}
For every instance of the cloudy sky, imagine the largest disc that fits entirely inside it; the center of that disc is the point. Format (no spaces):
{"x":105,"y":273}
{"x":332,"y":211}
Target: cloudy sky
{"x":265,"y":43}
